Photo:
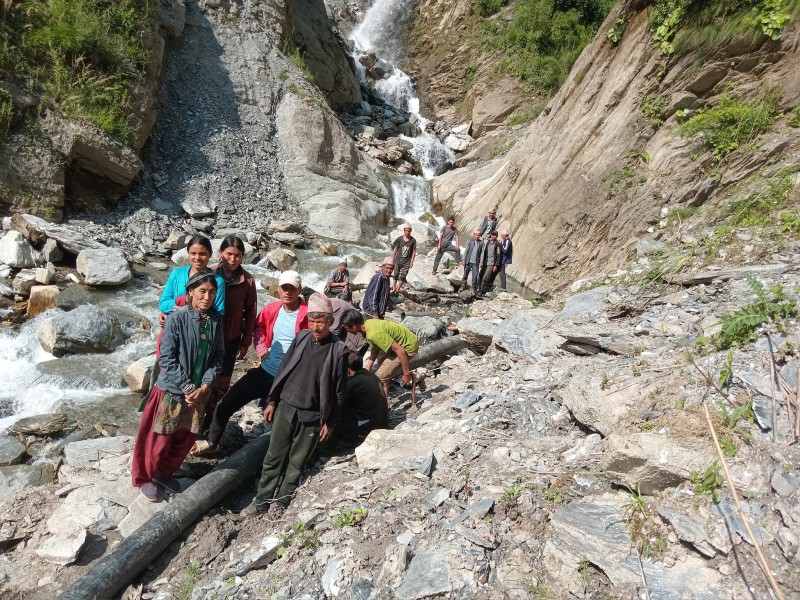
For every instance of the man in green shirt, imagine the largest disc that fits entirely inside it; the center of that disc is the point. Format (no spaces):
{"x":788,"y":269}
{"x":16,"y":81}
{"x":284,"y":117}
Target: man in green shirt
{"x":397,"y":341}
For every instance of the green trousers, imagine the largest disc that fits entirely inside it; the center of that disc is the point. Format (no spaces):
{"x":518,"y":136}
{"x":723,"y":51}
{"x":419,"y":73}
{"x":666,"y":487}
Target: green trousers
{"x":290,"y":446}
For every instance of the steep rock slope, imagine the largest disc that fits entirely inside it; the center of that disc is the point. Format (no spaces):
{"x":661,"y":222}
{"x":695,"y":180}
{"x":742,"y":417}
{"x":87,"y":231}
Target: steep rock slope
{"x":603,"y":161}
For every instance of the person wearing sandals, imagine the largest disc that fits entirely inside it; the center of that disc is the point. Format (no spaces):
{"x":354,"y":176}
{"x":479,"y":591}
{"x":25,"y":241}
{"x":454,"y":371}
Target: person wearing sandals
{"x":276,"y":328}
{"x":192,"y":350}
{"x":397,"y":341}
{"x":240,"y":315}
{"x":303,"y":406}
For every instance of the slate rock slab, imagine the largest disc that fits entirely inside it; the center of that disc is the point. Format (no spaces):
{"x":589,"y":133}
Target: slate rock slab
{"x":106,"y":267}
{"x":44,"y":425}
{"x":12,"y":451}
{"x":528,"y":333}
{"x":18,"y":477}
{"x":427,"y":576}
{"x":86,"y":452}
{"x":467,"y":399}
{"x":63,"y":548}
{"x":477,"y":333}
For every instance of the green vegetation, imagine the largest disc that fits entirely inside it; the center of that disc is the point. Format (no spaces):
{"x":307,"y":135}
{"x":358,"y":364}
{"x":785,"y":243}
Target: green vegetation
{"x":617,"y":30}
{"x":190,"y":579}
{"x":6,"y":113}
{"x":553,"y":494}
{"x":733,"y":122}
{"x":512,"y":493}
{"x":652,"y":108}
{"x":541,"y":39}
{"x":300,"y":62}
{"x":641,"y":155}
{"x":526,"y":116}
{"x":83,"y":57}
{"x":741,"y":326}
{"x":709,"y":482}
{"x":349,"y":518}
{"x":758,"y":209}
{"x":283,"y":75}
{"x":794,"y":117}
{"x":680,"y":26}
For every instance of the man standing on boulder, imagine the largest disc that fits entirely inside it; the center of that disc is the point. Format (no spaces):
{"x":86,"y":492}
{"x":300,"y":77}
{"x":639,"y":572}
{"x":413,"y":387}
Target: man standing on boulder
{"x":488,"y":225}
{"x":404,"y":251}
{"x":303,"y":406}
{"x":397,"y":341}
{"x":473,"y":260}
{"x":447,"y":235}
{"x":376,"y":296}
{"x":492,"y":253}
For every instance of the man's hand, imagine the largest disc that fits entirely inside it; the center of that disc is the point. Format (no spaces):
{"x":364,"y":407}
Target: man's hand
{"x":269,"y":413}
{"x":494,"y":268}
{"x":325,"y":433}
{"x":263,"y":354}
{"x":242,"y":353}
{"x":161,"y":318}
{"x":407,"y":378}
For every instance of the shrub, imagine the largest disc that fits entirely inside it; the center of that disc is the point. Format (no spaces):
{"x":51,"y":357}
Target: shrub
{"x":6,"y":113}
{"x":541,"y":40}
{"x":731,"y":123}
{"x":757,"y":210}
{"x":486,"y":8}
{"x":81,"y":56}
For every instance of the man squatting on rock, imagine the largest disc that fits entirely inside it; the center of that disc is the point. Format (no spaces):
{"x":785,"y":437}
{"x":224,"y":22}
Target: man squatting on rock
{"x":303,"y":404}
{"x":397,"y":341}
{"x":404,"y":251}
{"x":376,"y":296}
{"x":275,"y":330}
{"x":447,"y":236}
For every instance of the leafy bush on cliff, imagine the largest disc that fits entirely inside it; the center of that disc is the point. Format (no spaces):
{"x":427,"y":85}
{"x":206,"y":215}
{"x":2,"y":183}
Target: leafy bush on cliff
{"x":81,"y":56}
{"x":541,"y":39}
{"x":731,"y":123}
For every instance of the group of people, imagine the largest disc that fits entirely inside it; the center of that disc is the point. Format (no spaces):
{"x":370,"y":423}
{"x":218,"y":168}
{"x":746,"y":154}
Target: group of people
{"x":485,"y":257}
{"x":311,"y":381}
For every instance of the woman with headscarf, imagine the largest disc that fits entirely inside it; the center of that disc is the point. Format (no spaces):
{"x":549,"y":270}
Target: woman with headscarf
{"x":192,"y":349}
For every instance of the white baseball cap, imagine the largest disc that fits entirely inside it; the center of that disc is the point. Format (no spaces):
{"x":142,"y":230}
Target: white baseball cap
{"x":290,"y":278}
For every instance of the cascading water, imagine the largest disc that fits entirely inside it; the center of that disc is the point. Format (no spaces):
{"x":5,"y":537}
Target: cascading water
{"x":381,"y":33}
{"x":33,"y":382}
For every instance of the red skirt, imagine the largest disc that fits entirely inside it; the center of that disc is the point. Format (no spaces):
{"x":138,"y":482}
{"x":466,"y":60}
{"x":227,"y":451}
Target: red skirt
{"x":155,"y":454}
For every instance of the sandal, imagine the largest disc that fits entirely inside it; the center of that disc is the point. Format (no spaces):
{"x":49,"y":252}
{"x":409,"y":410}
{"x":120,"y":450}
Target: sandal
{"x":201,"y":447}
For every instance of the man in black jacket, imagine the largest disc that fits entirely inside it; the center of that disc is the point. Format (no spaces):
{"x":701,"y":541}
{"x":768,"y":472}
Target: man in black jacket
{"x":303,"y":405}
{"x":488,"y":225}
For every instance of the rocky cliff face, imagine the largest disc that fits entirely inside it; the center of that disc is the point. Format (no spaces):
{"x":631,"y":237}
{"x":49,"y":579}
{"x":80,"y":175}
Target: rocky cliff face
{"x":603,"y":163}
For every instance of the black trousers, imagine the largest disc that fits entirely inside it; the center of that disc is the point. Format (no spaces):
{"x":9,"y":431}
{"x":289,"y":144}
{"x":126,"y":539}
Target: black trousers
{"x":253,"y":385}
{"x":487,"y":277}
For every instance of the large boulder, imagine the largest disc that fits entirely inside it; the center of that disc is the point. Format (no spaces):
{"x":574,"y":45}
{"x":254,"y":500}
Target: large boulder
{"x":420,"y":278}
{"x":42,"y":425}
{"x":427,"y":329}
{"x":24,"y":282}
{"x":527,"y":333}
{"x":68,"y":239}
{"x":18,"y":477}
{"x":12,"y":451}
{"x":137,"y":376}
{"x":477,"y":333}
{"x":42,"y":298}
{"x":281,"y":258}
{"x":326,"y":176}
{"x":86,"y":329}
{"x":104,"y":267}
{"x":16,"y":251}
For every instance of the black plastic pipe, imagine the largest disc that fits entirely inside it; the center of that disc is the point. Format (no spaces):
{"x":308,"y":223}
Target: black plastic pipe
{"x":143,"y":546}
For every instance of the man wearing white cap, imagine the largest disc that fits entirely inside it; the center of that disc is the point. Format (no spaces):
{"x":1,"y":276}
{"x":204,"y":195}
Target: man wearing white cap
{"x":376,"y":297}
{"x":304,"y":404}
{"x":276,"y":328}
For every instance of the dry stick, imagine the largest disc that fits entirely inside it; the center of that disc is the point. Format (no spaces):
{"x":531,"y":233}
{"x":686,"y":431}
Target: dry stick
{"x":756,"y":544}
{"x":762,"y":559}
{"x":790,"y":398}
{"x":797,"y":404}
{"x":772,"y":389}
{"x":644,"y":579}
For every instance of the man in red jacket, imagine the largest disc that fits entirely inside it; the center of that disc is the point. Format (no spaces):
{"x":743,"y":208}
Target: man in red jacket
{"x":276,"y":328}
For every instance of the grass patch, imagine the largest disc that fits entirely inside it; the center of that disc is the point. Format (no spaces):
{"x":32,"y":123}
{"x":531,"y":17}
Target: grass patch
{"x":526,"y":116}
{"x":83,"y":57}
{"x":6,"y":113}
{"x":652,"y":108}
{"x":539,"y":40}
{"x":732,"y":123}
{"x":297,"y":58}
{"x":349,"y":518}
{"x":681,"y":26}
{"x":190,"y":578}
{"x":758,"y":209}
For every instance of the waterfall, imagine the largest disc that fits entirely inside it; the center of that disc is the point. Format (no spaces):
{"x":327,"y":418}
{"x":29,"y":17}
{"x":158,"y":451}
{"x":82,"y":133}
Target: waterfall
{"x":382,"y":33}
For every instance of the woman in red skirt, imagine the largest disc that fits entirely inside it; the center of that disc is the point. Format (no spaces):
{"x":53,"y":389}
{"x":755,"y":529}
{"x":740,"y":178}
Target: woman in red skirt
{"x":192,"y":349}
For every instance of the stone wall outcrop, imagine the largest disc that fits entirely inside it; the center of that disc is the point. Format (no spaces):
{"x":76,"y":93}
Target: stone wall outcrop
{"x":557,"y":190}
